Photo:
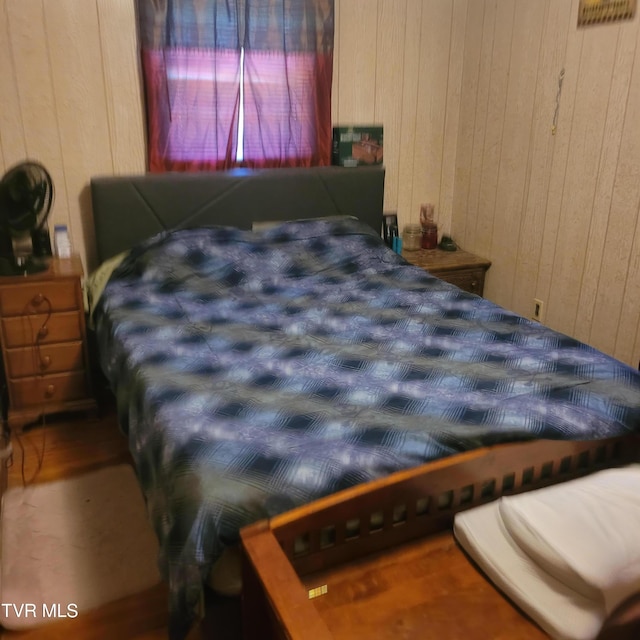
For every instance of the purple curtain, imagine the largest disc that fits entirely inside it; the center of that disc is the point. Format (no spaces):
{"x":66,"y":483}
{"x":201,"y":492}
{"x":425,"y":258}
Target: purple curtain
{"x":237,"y":82}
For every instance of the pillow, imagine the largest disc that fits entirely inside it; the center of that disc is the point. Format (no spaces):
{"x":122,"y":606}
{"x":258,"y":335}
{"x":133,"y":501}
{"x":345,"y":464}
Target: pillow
{"x":97,"y":281}
{"x":586,"y":531}
{"x":258,"y":225}
{"x":567,"y":554}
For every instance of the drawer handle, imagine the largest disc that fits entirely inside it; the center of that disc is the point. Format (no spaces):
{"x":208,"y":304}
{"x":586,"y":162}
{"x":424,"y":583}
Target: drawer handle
{"x":39,"y":299}
{"x":43,"y":332}
{"x":50,"y":390}
{"x":474,"y":285}
{"x":45,"y":362}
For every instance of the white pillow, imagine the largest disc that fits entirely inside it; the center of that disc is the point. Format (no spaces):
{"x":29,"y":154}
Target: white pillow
{"x":567,"y":554}
{"x":561,"y":611}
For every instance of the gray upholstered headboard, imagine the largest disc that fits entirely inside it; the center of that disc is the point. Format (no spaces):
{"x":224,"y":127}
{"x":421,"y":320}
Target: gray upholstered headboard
{"x":128,"y":209}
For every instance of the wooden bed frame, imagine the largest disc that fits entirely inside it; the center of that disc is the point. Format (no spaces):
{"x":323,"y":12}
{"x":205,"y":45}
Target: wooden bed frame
{"x":379,"y":560}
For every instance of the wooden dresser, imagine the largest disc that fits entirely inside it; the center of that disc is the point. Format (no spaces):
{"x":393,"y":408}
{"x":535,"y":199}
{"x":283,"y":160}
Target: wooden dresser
{"x":459,"y":267}
{"x":44,"y":346}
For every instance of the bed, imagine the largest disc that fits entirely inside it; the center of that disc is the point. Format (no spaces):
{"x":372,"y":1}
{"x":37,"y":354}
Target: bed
{"x":266,"y":349}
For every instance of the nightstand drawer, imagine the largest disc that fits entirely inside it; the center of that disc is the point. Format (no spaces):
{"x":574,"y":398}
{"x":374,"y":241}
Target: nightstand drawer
{"x":54,"y":358}
{"x":53,"y":389}
{"x":471,"y":280}
{"x":37,"y":297}
{"x":23,"y":331}
{"x":460,"y":268}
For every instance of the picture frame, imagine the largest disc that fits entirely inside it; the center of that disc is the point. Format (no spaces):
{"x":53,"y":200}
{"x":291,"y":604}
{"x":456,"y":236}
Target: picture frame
{"x":605,"y":11}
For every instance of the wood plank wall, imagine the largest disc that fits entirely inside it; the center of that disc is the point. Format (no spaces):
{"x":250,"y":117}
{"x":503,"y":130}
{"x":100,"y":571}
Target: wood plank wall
{"x":399,"y":63}
{"x":466,"y":91}
{"x":71,"y":98}
{"x":558,"y":214}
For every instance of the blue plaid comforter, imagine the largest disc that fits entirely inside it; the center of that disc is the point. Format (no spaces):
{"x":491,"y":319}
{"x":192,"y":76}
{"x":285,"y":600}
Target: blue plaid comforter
{"x":257,"y":371}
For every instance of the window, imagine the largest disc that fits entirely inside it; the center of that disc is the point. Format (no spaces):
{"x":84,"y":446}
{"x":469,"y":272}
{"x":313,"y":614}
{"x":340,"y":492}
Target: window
{"x":237,"y":84}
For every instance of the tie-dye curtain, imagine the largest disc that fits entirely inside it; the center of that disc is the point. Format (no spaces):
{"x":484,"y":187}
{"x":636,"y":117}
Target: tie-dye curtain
{"x":237,"y":82}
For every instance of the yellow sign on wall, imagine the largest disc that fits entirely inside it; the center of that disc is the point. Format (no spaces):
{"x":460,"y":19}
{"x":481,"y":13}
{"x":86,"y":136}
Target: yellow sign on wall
{"x":596,"y":11}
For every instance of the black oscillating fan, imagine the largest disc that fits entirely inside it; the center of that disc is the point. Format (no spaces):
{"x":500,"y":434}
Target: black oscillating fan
{"x":26,"y":196}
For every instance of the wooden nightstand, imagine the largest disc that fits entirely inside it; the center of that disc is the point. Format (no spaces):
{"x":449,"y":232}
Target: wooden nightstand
{"x":44,"y":344}
{"x":461,"y":268}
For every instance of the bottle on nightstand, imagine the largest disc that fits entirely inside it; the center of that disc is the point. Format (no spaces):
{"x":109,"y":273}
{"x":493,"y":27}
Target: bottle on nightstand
{"x":429,"y":227}
{"x":61,"y":241}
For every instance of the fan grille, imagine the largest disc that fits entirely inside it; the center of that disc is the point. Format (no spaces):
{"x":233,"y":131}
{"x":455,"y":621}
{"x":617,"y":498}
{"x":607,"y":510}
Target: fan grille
{"x":26,"y":196}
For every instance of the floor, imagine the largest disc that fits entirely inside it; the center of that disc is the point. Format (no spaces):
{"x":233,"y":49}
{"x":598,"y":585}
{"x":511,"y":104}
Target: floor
{"x":66,"y":445}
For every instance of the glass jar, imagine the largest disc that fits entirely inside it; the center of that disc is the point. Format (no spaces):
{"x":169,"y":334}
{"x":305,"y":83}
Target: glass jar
{"x":429,"y":236}
{"x":412,"y":237}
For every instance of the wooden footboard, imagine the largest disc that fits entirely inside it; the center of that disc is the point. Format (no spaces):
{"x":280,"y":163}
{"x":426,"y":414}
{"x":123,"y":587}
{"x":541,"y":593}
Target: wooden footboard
{"x":384,"y":515}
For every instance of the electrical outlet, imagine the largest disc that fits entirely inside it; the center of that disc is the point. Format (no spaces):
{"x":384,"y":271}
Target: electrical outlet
{"x":538,"y":309}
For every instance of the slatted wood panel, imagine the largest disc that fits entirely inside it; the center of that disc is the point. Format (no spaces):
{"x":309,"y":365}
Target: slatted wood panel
{"x":71,"y":99}
{"x":391,"y":56}
{"x":559,"y":157}
{"x":451,"y":127}
{"x":399,"y":63}
{"x":556,"y":214}
{"x":514,"y":152}
{"x":12,"y":142}
{"x":79,"y":92}
{"x":30,"y":94}
{"x":123,"y":89}
{"x":551,"y":63}
{"x":622,"y":233}
{"x":408,"y":75}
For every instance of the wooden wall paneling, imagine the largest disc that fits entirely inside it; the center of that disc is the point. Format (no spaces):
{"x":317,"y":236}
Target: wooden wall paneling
{"x":388,"y":99}
{"x":627,"y":343}
{"x":471,"y":212}
{"x":552,"y":58}
{"x":81,"y":104}
{"x":560,"y":160}
{"x":409,"y":112}
{"x":12,"y":142}
{"x":452,"y":114}
{"x":635,"y":357}
{"x":602,"y":222}
{"x":30,"y":48}
{"x":358,"y":60}
{"x":469,"y":119}
{"x":490,"y":167}
{"x":515,"y":151}
{"x":615,"y":317}
{"x":123,"y":85}
{"x":335,"y":83}
{"x":589,"y":115}
{"x":435,"y":41}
